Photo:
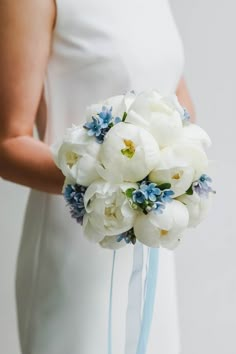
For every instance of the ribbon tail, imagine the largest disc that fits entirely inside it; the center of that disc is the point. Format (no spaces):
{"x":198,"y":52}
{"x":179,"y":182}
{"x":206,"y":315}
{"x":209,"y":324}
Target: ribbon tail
{"x":148,"y":307}
{"x":110,"y":306}
{"x":133,"y":314}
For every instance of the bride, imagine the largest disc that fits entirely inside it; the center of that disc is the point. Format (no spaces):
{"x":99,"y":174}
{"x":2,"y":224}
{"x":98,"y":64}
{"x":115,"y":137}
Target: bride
{"x":57,"y":57}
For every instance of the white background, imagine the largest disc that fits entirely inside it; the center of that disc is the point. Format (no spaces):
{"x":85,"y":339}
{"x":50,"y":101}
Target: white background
{"x":206,"y":261}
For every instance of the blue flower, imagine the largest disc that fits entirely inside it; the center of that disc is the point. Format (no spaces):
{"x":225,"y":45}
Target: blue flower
{"x":100,"y":138}
{"x":158,"y":207}
{"x":128,"y":237}
{"x":94,"y":127}
{"x":166,"y":196}
{"x":74,"y":195}
{"x":117,"y":120}
{"x":151,"y":191}
{"x":138,"y":196}
{"x":101,"y":124}
{"x":105,"y":116}
{"x":202,"y":187}
{"x":186,"y":116}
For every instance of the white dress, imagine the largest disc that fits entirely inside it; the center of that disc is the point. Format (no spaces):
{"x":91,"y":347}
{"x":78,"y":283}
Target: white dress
{"x":99,"y":49}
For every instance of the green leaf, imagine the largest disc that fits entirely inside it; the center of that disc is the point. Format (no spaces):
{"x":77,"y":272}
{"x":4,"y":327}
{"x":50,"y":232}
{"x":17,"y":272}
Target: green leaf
{"x":164,"y":186}
{"x":190,"y":191}
{"x":129,"y":192}
{"x":124,"y":116}
{"x":133,"y":240}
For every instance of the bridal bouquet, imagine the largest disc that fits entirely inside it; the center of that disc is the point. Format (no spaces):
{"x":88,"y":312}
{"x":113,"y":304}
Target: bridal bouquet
{"x":135,"y":170}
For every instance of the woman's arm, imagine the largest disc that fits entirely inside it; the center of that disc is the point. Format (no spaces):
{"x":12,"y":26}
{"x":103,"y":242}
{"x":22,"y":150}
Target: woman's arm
{"x":25,"y":40}
{"x":183,"y":95}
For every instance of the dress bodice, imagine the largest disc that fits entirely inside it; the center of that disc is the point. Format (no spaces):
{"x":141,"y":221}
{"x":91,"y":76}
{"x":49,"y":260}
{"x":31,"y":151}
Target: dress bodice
{"x":104,"y":48}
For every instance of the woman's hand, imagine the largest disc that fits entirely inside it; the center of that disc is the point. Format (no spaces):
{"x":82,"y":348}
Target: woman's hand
{"x":25,"y":41}
{"x":185,"y":100}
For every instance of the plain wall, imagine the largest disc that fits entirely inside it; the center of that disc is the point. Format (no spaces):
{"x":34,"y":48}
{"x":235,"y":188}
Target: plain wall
{"x":205,"y":261}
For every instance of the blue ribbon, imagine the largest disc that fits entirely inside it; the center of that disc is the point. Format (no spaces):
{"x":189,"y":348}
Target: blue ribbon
{"x":133,"y":314}
{"x":151,"y":280}
{"x":136,"y":343}
{"x":110,"y":306}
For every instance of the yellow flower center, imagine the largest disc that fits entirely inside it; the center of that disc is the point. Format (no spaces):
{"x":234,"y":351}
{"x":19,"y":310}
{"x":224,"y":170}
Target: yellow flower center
{"x":110,"y":211}
{"x":178,"y":175}
{"x":164,"y":232}
{"x":129,"y":149}
{"x":71,"y":158}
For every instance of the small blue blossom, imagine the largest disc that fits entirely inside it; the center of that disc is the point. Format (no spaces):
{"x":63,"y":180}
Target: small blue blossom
{"x":101,"y":124}
{"x":139,"y":196}
{"x":100,"y":138}
{"x":166,"y":196}
{"x":94,"y":127}
{"x":128,"y":237}
{"x":117,"y":120}
{"x":186,"y":116}
{"x":74,"y":195}
{"x":151,"y":191}
{"x":105,"y":116}
{"x":158,"y":207}
{"x":202,"y":187}
{"x":149,"y":197}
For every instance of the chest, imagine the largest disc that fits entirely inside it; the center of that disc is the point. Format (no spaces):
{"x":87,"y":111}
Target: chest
{"x":133,"y":41}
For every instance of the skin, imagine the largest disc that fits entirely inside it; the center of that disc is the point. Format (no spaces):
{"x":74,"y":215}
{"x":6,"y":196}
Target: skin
{"x":26,"y":28}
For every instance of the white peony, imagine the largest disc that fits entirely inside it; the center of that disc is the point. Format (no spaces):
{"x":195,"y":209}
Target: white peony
{"x":111,"y":243}
{"x":108,"y":212}
{"x":180,"y":165}
{"x":76,"y":156}
{"x":186,"y":154}
{"x":192,"y":133}
{"x":198,"y":207}
{"x":162,"y":230}
{"x":180,"y":178}
{"x":173,"y":101}
{"x":119,"y":104}
{"x":153,"y":112}
{"x":128,"y":153}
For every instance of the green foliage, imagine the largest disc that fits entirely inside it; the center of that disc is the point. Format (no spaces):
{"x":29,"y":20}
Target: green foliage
{"x":129,"y":192}
{"x":190,"y":190}
{"x":164,"y":186}
{"x":124,"y":117}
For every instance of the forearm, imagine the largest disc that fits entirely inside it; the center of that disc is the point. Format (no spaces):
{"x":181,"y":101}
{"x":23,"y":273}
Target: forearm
{"x":29,"y":162}
{"x":185,"y":100}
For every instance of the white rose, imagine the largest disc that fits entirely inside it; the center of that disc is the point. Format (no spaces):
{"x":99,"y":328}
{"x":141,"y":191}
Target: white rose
{"x":128,"y":153}
{"x":162,"y":230}
{"x":198,"y":207}
{"x":153,"y":112}
{"x":76,"y":156}
{"x":108,"y":211}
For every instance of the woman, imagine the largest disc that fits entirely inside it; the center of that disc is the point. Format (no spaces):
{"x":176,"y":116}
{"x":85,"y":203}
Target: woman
{"x":56,"y":58}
